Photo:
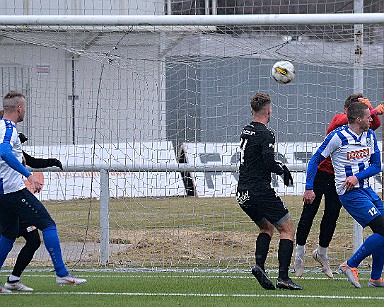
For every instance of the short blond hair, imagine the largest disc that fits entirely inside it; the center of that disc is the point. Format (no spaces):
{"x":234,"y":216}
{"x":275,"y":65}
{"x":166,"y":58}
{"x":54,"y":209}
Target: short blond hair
{"x":11,"y":100}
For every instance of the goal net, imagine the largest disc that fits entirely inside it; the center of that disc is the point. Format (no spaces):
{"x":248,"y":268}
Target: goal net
{"x":145,"y":111}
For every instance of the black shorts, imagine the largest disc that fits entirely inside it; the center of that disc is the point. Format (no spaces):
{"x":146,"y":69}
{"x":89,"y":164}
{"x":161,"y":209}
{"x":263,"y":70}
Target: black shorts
{"x":22,"y":206}
{"x":264,"y":204}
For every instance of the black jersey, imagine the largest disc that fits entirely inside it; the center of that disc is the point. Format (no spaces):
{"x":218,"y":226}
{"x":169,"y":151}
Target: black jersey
{"x":257,"y":161}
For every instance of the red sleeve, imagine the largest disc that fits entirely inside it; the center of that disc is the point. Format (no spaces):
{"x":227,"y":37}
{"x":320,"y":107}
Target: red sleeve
{"x":375,"y":123}
{"x":337,"y":121}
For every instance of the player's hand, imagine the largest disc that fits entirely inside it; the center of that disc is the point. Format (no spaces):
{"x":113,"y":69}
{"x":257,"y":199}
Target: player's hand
{"x":366,"y":101}
{"x":287,"y":176}
{"x":350,"y":182}
{"x":380,"y":109}
{"x":309,"y":197}
{"x":56,"y":162}
{"x":36,"y":185}
{"x":22,"y":138}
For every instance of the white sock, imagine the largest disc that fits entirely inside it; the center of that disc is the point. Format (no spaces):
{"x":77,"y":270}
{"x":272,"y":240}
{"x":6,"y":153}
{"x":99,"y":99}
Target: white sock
{"x":300,"y":249}
{"x":13,"y":278}
{"x":322,"y":250}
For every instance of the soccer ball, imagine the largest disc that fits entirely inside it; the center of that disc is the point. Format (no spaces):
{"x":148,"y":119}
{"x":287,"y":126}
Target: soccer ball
{"x":283,"y":72}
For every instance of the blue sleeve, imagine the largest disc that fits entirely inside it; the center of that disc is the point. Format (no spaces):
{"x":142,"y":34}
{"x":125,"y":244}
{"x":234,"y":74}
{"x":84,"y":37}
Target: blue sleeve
{"x":372,"y":169}
{"x":7,"y":155}
{"x":312,"y":169}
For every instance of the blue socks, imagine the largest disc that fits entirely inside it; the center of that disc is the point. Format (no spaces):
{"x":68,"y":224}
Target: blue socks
{"x":373,"y":245}
{"x":5,"y":247}
{"x":52,"y":244}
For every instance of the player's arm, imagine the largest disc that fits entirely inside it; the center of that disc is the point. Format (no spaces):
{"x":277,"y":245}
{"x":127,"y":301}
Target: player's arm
{"x":41,"y":163}
{"x":321,"y":154}
{"x":379,"y":110}
{"x":268,"y":153}
{"x":8,"y":156}
{"x":374,"y":166}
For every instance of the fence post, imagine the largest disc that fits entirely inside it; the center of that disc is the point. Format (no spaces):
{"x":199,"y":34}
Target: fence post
{"x":104,"y":216}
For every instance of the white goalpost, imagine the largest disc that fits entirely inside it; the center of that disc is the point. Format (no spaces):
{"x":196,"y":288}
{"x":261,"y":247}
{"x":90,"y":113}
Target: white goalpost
{"x":145,"y":110}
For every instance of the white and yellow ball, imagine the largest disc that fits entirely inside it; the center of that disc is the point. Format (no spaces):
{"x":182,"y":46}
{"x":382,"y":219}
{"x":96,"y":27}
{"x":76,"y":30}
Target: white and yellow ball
{"x":283,"y":72}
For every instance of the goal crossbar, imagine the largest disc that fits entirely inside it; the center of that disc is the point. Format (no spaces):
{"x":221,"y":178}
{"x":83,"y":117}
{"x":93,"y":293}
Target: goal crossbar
{"x":202,"y":20}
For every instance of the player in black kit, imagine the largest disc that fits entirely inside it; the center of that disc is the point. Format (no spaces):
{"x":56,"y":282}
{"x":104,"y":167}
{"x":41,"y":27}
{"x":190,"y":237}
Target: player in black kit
{"x":259,"y":200}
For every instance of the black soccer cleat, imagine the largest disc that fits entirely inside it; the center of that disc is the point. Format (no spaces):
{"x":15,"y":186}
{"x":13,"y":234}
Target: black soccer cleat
{"x":287,"y":284}
{"x":262,"y":278}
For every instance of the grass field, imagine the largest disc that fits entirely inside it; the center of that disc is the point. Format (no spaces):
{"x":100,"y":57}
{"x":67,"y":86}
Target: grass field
{"x":189,"y":289}
{"x":199,"y":251}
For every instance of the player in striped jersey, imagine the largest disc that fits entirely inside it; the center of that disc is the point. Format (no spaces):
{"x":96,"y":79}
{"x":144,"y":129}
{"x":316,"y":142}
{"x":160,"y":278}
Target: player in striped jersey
{"x":16,"y":201}
{"x":324,"y":186}
{"x":355,"y":157}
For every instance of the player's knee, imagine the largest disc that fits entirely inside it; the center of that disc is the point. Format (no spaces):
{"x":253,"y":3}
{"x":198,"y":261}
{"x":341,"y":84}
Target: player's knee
{"x":377,"y":225}
{"x":33,"y":242}
{"x":286,"y":229}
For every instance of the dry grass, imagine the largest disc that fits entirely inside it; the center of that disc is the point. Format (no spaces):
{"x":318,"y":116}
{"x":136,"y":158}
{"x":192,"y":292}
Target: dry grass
{"x":177,"y":232}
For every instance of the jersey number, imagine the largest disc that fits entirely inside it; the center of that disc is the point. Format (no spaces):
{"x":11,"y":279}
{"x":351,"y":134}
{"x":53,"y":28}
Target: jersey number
{"x":372,"y":211}
{"x":243,"y":143}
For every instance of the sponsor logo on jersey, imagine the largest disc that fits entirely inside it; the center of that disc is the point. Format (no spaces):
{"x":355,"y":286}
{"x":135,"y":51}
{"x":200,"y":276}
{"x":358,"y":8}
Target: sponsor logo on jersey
{"x":248,"y":132}
{"x":358,"y":154}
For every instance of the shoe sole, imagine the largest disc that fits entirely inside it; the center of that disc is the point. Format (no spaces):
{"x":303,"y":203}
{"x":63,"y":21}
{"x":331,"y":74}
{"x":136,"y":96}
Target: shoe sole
{"x":352,"y":281}
{"x":23,"y":288}
{"x":263,"y":279}
{"x":288,"y":287}
{"x":371,"y":285}
{"x":299,"y":270}
{"x":324,"y":270}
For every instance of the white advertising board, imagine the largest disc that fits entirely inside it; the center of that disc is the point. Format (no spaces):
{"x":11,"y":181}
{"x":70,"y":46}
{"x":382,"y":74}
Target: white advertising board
{"x":224,"y":184}
{"x":69,"y":185}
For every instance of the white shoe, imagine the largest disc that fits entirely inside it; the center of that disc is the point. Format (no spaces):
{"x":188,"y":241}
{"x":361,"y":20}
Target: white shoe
{"x":324,"y":261}
{"x":352,"y":274}
{"x":299,"y":265}
{"x":69,"y":280}
{"x":18,"y":286}
{"x":3,"y":290}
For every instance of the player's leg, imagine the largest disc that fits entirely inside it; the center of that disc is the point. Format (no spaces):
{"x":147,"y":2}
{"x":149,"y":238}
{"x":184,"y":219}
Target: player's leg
{"x":248,"y":204}
{"x":263,"y":241}
{"x":32,"y":243}
{"x":277,"y":214}
{"x":359,"y":205}
{"x":305,"y":223}
{"x":9,"y":227}
{"x":332,"y":206}
{"x":286,"y":229}
{"x":36,"y":214}
{"x":377,"y":267}
{"x":377,"y":226}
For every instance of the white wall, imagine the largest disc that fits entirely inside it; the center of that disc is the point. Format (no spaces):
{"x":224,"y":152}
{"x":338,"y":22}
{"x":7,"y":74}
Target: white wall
{"x":81,"y":7}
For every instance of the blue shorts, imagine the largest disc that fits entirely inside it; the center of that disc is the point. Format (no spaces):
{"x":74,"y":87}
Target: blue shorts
{"x":362,"y":204}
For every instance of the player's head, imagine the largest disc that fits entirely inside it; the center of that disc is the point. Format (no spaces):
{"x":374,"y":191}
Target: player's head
{"x":14,"y":103}
{"x":352,"y":99}
{"x":261,"y":105}
{"x":358,"y":114}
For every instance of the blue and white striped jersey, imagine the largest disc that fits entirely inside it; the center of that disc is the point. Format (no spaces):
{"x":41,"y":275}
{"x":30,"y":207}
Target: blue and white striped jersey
{"x":350,"y":154}
{"x":11,"y":154}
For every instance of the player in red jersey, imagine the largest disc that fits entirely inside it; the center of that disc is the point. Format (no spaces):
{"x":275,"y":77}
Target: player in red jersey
{"x":324,"y":184}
